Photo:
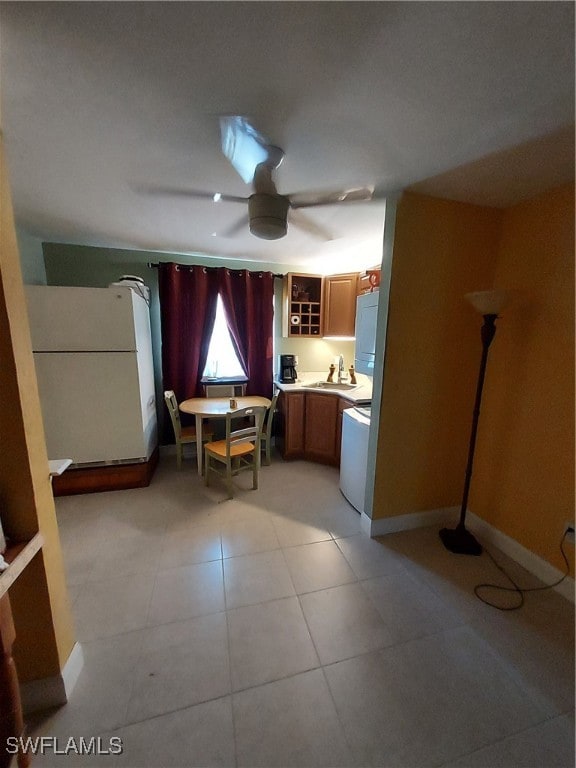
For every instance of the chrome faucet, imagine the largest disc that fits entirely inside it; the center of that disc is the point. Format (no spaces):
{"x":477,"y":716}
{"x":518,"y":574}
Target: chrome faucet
{"x":341,"y":376}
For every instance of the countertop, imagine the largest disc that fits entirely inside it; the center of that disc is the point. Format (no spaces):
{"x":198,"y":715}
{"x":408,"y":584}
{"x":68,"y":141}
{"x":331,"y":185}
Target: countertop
{"x":360,"y":395}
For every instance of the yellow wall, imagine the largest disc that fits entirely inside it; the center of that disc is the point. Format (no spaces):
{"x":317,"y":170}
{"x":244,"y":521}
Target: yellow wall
{"x":39,"y":598}
{"x":524,"y":468}
{"x":523,"y":480}
{"x":442,"y":250}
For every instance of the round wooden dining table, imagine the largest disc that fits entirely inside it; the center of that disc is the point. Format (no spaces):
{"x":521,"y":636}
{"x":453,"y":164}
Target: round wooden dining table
{"x":213,"y":408}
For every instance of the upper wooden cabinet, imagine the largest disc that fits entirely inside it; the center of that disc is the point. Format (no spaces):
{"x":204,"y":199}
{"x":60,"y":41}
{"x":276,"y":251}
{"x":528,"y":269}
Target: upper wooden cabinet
{"x":303,"y":305}
{"x":317,"y":306}
{"x":340,"y":304}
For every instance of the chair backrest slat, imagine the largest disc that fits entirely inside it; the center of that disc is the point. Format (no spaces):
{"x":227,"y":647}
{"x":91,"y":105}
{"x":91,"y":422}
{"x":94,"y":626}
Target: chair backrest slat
{"x":245,"y":434}
{"x":267,"y":426}
{"x":173,"y":410}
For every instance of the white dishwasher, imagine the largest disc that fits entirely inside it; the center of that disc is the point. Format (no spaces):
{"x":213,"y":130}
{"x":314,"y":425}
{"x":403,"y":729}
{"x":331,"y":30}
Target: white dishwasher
{"x":354,"y":455}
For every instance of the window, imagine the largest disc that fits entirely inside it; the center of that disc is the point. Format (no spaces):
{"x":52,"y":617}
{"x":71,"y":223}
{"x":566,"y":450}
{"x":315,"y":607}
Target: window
{"x":222,"y":361}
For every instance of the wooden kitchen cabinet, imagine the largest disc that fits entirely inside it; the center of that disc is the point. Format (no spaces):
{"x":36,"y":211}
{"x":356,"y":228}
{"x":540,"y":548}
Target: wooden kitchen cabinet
{"x":316,"y":306}
{"x":303,"y":305}
{"x":321,"y":417}
{"x":310,"y":426}
{"x":340,"y":304}
{"x":290,"y":424}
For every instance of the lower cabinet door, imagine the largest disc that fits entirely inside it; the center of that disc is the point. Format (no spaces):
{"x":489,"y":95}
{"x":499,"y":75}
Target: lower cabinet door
{"x":320,"y":428}
{"x":291,"y":409}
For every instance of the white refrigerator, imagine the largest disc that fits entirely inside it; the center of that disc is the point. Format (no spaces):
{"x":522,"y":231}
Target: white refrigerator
{"x":93,"y":357}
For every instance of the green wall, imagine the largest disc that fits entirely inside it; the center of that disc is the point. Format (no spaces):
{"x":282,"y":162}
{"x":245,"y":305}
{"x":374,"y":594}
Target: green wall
{"x":31,"y":258}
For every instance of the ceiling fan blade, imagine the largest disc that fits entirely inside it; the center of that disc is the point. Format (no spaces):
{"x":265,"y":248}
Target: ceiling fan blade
{"x":237,"y":227}
{"x":311,"y":199}
{"x":246,"y":147}
{"x":198,"y":194}
{"x":305,"y":223}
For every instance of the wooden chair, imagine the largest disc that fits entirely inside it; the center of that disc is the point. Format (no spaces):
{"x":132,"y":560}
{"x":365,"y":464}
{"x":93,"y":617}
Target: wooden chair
{"x":182,"y":434}
{"x":222,"y":390}
{"x":266,"y":434}
{"x":240,"y":450}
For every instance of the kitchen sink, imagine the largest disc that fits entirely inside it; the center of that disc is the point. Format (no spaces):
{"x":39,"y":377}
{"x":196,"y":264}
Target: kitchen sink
{"x":330,"y":385}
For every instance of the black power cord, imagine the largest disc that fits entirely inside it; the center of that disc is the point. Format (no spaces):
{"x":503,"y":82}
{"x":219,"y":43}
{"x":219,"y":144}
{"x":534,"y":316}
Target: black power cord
{"x":515,"y":588}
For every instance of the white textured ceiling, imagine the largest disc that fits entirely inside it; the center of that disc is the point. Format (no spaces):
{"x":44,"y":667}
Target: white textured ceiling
{"x":100,"y":97}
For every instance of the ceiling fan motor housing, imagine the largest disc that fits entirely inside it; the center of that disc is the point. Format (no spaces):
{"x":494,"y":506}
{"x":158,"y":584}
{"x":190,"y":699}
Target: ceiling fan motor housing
{"x":268,"y":214}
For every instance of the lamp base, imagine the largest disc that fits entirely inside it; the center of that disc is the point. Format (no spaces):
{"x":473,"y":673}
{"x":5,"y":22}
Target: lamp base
{"x":460,"y":541}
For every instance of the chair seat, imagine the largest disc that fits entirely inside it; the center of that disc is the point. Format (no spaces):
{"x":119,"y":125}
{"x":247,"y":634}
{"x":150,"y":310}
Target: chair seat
{"x":218,"y":448}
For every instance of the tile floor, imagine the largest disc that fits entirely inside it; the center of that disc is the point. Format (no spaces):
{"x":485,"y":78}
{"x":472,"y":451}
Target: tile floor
{"x":268,"y":631}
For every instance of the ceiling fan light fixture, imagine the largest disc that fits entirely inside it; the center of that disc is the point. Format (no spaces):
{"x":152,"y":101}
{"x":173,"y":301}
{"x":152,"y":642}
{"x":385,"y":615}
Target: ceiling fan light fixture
{"x":243,"y":145}
{"x":268,"y":216}
{"x":268,"y":228}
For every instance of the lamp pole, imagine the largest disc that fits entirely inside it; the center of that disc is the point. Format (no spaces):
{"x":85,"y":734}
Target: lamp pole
{"x":459,"y":539}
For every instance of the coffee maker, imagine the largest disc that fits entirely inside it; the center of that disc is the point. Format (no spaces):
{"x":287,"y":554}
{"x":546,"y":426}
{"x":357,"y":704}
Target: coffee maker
{"x":288,"y":369}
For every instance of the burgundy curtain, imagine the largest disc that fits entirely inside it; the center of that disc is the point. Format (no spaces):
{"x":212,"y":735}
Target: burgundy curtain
{"x":188,"y":296}
{"x":248,"y":304}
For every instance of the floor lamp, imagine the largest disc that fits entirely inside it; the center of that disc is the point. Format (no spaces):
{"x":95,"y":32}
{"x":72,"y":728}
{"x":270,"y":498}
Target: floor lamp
{"x":488,"y":304}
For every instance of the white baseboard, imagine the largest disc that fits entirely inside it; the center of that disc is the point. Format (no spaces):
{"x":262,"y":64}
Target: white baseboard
{"x":384,"y":525}
{"x":366,"y":524}
{"x":72,"y":668}
{"x":533,"y":563}
{"x":53,"y":691}
{"x":487,"y":533}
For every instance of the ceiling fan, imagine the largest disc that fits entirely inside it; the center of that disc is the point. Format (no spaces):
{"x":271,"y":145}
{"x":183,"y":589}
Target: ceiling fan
{"x":255,"y":159}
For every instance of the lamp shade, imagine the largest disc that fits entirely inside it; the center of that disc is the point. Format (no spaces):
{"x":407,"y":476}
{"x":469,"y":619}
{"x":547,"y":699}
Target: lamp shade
{"x":487,"y":302}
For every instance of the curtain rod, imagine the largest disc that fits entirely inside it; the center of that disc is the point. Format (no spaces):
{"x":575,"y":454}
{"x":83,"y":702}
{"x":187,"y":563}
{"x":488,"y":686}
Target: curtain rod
{"x":155,"y":265}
